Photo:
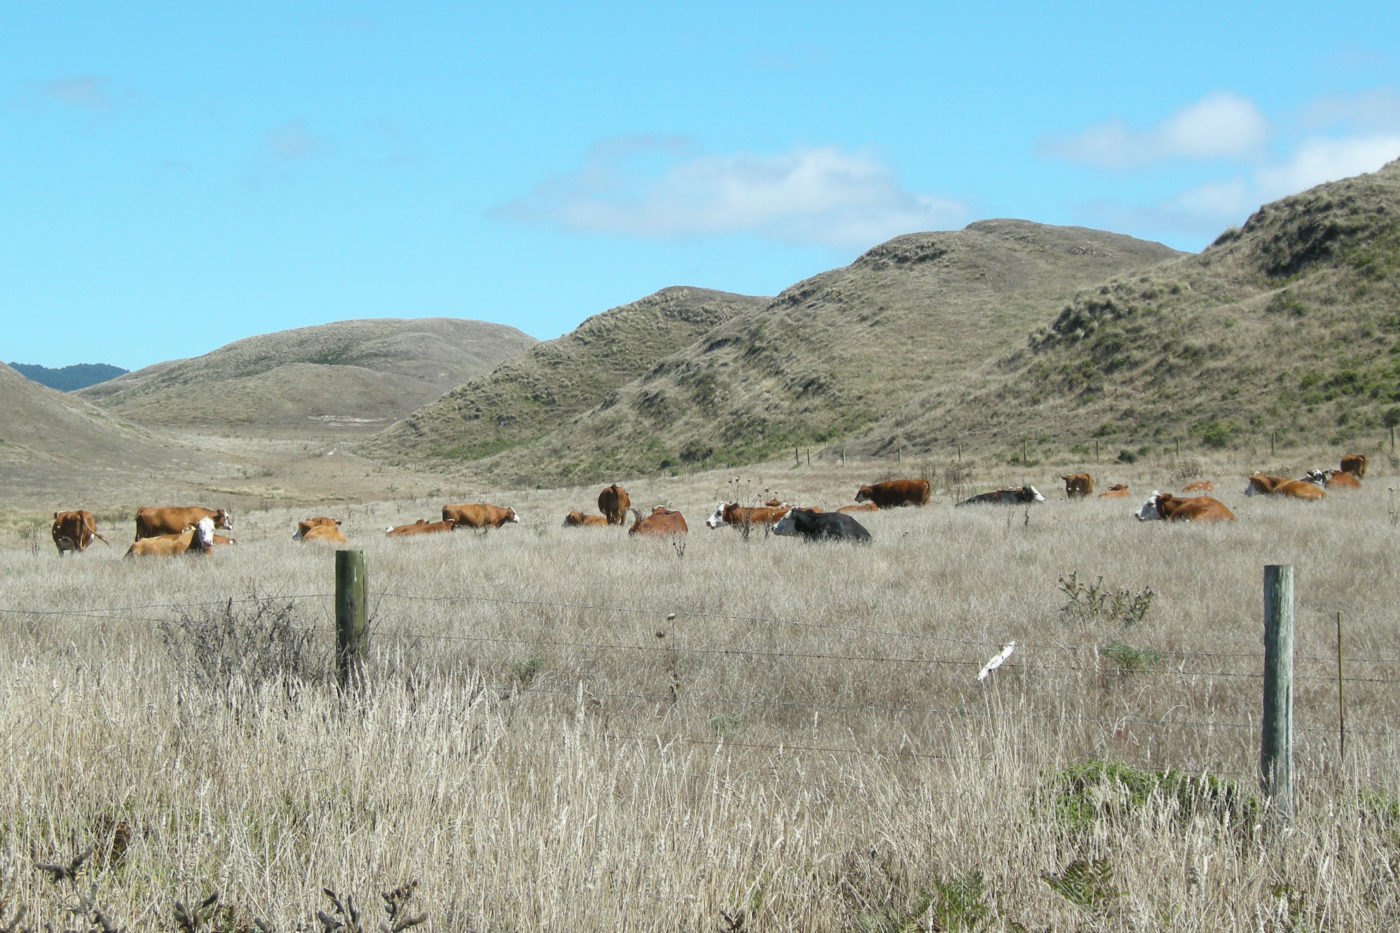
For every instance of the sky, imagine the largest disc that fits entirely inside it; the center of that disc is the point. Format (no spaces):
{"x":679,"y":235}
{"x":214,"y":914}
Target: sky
{"x":175,"y":177}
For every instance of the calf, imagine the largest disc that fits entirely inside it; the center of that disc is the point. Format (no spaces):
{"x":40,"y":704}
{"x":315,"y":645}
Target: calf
{"x":198,"y":539}
{"x":420,"y":527}
{"x":732,"y":513}
{"x":325,"y":534}
{"x":580,"y":520}
{"x":821,"y":526}
{"x":307,"y":524}
{"x":661,"y":521}
{"x":1116,"y":491}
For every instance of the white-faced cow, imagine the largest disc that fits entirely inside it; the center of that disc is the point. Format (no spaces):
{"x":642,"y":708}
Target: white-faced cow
{"x":812,"y":525}
{"x":1012,"y":495}
{"x":198,"y":539}
{"x":1167,"y":507}
{"x":732,"y":513}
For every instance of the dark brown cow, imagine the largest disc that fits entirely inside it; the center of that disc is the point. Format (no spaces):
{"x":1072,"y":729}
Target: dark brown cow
{"x":325,"y":534}
{"x":1078,"y":485}
{"x":614,"y":502}
{"x":1167,"y":507}
{"x":307,"y":524}
{"x":580,"y":520}
{"x":1262,"y":485}
{"x":74,"y":531}
{"x":732,"y":513}
{"x":420,"y":527}
{"x":479,"y":515}
{"x":661,"y":521}
{"x":1116,"y":491}
{"x":154,"y":520}
{"x":197,"y":539}
{"x":894,"y":493}
{"x":1355,"y":464}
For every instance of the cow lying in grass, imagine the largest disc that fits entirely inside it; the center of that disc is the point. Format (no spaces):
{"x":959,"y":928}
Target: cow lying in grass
{"x":198,"y":539}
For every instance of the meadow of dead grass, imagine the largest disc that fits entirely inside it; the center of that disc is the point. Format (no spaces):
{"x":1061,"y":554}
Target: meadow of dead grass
{"x":571,"y":729}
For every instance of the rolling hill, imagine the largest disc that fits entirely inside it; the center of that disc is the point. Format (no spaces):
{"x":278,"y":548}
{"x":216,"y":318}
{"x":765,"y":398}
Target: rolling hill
{"x":68,"y":378}
{"x":821,"y":361}
{"x":351,"y":375}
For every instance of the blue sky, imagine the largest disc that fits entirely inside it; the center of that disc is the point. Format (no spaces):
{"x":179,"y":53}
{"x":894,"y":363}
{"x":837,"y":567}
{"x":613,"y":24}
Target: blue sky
{"x":174,"y":177}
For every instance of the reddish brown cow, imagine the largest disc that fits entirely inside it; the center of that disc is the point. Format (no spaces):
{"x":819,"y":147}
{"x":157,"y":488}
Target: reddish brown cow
{"x":420,"y":527}
{"x":661,"y":521}
{"x":894,"y":493}
{"x":154,"y":520}
{"x":198,"y":539}
{"x":1078,"y":485}
{"x":74,"y":531}
{"x":614,"y":502}
{"x":1116,"y":491}
{"x":863,"y":507}
{"x":1200,"y":485}
{"x":325,"y":534}
{"x":580,"y":520}
{"x":1261,"y":485}
{"x":1165,"y":506}
{"x":479,"y":515}
{"x":1355,"y":464}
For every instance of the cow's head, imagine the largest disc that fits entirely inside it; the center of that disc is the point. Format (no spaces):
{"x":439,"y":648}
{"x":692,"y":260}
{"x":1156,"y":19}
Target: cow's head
{"x":1255,"y":485}
{"x":1031,"y":494}
{"x":1149,"y":510}
{"x":864,"y":494}
{"x":787,"y":525}
{"x":223,"y":519}
{"x":204,"y":534}
{"x":717,"y":516}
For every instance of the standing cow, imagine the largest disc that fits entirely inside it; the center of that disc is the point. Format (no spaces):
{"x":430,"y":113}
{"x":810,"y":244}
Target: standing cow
{"x":894,"y":493}
{"x":74,"y":531}
{"x":1078,"y":485}
{"x":479,"y":515}
{"x":152,"y":520}
{"x":614,"y":502}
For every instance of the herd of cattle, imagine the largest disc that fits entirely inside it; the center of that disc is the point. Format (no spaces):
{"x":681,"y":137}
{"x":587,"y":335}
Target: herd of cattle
{"x":170,"y":530}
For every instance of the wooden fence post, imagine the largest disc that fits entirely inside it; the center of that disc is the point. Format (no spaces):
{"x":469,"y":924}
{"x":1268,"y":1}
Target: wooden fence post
{"x":350,"y":616}
{"x":1276,"y":743}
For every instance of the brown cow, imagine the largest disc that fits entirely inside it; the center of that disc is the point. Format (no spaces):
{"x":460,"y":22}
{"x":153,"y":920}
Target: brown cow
{"x":732,"y":513}
{"x":1116,"y":491}
{"x":420,"y":527}
{"x":154,"y":520}
{"x":1078,"y":485}
{"x":198,"y":539}
{"x":1333,"y":479}
{"x":1261,"y":485}
{"x":74,"y":531}
{"x":1355,"y":464}
{"x":1200,"y":485}
{"x":614,"y":502}
{"x":863,"y":507}
{"x":1165,"y":506}
{"x":661,"y":521}
{"x":895,"y":492}
{"x":307,"y":524}
{"x":479,"y":515}
{"x":325,"y":534}
{"x":580,"y":520}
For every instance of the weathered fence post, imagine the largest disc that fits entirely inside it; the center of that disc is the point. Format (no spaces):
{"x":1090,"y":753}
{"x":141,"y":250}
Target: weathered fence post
{"x":1276,"y":743}
{"x":350,"y":617}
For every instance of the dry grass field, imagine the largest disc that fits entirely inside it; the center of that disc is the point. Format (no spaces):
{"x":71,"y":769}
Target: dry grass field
{"x":570,"y":729}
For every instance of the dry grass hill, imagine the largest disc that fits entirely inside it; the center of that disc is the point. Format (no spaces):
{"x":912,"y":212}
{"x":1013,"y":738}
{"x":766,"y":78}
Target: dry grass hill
{"x":1286,"y":328}
{"x":351,"y":375}
{"x":822,"y":360}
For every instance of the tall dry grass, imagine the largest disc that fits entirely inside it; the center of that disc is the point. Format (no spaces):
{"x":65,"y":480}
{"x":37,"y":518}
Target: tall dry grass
{"x":568,"y":728}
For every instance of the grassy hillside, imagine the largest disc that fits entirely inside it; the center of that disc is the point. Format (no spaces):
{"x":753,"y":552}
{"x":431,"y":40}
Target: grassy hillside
{"x":825,"y":358}
{"x":1288,"y":327}
{"x":347,"y":375}
{"x":68,"y":378}
{"x":526,"y":398}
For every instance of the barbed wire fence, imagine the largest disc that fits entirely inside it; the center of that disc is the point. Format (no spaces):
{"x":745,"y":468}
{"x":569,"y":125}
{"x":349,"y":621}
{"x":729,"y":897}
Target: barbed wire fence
{"x":959,"y":659}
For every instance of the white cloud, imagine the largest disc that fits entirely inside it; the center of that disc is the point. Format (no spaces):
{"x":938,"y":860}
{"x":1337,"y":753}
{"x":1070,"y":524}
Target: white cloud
{"x":665,"y":187}
{"x":1220,"y":125}
{"x":1318,"y":160}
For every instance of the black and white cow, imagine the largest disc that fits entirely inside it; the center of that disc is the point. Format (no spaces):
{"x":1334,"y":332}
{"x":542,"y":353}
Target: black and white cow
{"x":821,"y":526}
{"x":1015,"y":495}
